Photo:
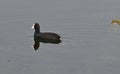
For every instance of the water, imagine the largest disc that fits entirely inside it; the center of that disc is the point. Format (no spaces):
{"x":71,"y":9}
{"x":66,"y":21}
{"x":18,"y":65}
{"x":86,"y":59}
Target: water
{"x":90,"y":44}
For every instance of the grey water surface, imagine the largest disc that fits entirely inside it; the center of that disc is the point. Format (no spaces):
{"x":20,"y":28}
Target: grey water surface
{"x":90,"y":44}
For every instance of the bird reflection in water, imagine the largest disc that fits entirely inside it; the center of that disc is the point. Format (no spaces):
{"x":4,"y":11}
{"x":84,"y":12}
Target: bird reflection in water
{"x":37,"y":41}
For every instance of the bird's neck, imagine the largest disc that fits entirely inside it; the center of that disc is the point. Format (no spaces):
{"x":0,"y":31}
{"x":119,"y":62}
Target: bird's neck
{"x":37,"y":31}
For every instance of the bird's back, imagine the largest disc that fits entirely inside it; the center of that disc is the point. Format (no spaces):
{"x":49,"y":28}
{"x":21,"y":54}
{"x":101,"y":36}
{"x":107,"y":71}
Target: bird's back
{"x":47,"y":35}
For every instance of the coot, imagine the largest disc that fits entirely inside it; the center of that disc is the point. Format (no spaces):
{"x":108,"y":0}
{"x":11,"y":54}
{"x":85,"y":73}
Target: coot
{"x":45,"y":35}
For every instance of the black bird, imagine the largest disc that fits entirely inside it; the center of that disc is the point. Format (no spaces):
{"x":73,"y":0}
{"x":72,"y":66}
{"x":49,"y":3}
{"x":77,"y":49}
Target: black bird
{"x":46,"y":37}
